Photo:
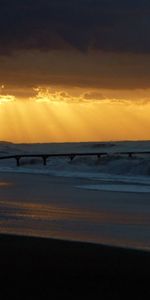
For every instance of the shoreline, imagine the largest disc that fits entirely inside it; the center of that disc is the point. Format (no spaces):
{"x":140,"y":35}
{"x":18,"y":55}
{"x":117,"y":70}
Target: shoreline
{"x":62,"y":210}
{"x":136,"y":185}
{"x":47,"y":268}
{"x":35,"y":268}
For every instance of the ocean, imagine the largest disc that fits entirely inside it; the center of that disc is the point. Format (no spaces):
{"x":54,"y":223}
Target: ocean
{"x":101,"y":200}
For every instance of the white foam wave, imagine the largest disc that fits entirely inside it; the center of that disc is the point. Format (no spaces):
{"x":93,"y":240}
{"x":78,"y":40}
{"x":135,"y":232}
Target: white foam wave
{"x":128,"y":188}
{"x":112,"y":169}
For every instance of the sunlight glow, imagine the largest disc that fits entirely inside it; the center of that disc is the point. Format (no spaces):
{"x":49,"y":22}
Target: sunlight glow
{"x":6,"y":98}
{"x":56,"y":116}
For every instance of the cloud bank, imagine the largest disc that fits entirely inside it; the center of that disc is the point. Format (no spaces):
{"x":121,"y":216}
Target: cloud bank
{"x":119,"y":26}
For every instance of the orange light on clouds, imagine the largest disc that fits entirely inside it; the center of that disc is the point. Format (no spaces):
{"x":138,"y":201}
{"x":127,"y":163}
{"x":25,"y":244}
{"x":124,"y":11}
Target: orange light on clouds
{"x":58,"y":117}
{"x":6,"y":98}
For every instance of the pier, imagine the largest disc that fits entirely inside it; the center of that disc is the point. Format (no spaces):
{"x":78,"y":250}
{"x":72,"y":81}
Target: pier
{"x":71,"y":156}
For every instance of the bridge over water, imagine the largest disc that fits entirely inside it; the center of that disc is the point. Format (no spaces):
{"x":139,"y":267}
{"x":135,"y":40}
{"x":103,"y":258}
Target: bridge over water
{"x":71,"y":156}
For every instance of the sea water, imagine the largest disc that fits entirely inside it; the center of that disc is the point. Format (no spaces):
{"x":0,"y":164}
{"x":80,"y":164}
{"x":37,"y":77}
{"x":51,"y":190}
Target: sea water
{"x":111,"y":168}
{"x":106,"y":201}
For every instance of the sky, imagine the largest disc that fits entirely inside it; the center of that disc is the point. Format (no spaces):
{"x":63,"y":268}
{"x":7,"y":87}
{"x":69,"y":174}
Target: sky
{"x":74,"y":70}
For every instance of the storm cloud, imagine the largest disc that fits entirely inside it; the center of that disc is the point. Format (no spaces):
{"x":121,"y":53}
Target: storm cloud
{"x":107,"y":25}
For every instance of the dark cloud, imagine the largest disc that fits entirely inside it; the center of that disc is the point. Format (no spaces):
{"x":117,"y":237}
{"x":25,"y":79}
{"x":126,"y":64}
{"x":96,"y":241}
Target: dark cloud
{"x":74,"y":69}
{"x":109,"y":25}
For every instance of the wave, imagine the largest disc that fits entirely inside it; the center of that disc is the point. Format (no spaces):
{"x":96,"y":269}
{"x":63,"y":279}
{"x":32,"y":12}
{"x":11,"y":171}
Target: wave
{"x":111,"y":168}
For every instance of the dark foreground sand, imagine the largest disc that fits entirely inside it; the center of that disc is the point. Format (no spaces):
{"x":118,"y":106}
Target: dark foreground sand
{"x":36,"y":268}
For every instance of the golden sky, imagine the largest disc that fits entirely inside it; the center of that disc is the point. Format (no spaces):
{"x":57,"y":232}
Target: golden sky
{"x":59,"y":114}
{"x":74,"y":70}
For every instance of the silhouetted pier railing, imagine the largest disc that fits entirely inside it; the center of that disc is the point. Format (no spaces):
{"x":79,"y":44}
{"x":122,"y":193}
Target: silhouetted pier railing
{"x":44,"y":157}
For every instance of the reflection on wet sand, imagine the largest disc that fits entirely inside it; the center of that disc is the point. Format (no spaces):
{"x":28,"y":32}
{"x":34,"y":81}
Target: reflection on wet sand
{"x":100,"y":226}
{"x":3,"y":184}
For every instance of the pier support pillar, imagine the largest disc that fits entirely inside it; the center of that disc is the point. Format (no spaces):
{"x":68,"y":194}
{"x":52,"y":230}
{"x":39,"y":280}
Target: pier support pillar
{"x":72,"y":156}
{"x":18,"y":161}
{"x":44,"y":160}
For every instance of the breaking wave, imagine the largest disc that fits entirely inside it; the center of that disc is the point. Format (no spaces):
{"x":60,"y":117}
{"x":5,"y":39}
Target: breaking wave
{"x":110,"y":168}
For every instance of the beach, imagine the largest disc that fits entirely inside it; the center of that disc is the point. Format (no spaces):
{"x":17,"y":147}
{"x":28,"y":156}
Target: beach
{"x":58,"y":207}
{"x":35,"y":268}
{"x":74,"y":149}
{"x":53,"y":243}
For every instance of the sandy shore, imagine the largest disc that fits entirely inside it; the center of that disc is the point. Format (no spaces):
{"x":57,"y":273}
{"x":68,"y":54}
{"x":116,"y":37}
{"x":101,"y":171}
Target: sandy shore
{"x":46,"y":268}
{"x":40,"y":205}
{"x":37,"y":268}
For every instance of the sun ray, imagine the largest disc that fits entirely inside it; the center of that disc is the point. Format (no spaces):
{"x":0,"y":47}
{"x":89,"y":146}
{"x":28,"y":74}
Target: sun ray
{"x":56,"y":117}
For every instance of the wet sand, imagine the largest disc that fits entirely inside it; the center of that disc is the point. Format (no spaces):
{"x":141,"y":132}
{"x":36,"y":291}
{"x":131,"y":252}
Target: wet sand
{"x":54,"y":207}
{"x":46,"y":268}
{"x":37,"y":268}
